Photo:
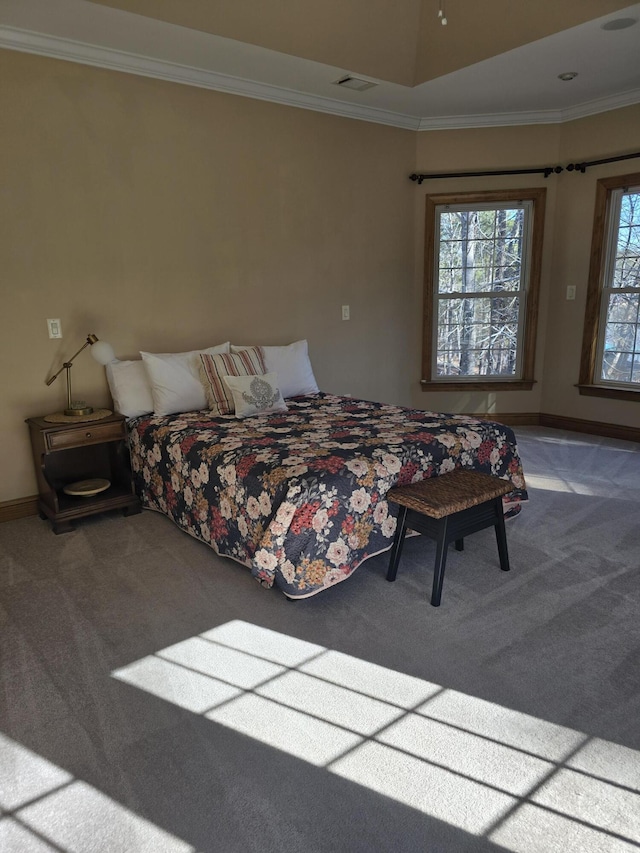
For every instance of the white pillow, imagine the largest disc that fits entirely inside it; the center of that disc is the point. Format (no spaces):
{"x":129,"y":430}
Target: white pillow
{"x":130,"y":389}
{"x":175,"y":380}
{"x":292,"y":364}
{"x":256,"y":395}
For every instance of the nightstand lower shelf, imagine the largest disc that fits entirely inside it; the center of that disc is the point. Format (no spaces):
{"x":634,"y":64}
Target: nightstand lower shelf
{"x":66,"y":453}
{"x":72,"y":508}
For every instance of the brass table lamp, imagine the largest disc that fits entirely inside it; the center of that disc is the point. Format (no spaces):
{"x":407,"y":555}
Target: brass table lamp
{"x":103,"y":354}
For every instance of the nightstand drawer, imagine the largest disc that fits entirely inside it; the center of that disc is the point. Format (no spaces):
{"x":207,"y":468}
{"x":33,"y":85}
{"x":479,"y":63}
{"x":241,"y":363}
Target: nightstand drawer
{"x":88,"y":433}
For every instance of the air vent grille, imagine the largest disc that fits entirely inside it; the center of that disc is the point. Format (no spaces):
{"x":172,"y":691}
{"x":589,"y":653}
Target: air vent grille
{"x":359,"y":84}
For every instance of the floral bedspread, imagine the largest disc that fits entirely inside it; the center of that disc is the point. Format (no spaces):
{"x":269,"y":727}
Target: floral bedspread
{"x":299,"y":496}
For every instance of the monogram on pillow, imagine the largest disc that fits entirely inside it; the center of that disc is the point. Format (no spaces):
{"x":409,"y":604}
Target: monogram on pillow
{"x":256,"y":395}
{"x":262,"y":395}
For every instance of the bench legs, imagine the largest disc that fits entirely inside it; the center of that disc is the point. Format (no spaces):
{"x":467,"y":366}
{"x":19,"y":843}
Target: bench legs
{"x":442,"y":545}
{"x":439,"y":530}
{"x":441,"y":553}
{"x":398,"y":543}
{"x":501,"y":536}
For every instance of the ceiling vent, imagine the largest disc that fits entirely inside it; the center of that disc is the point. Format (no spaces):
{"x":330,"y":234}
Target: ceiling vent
{"x":356,"y":83}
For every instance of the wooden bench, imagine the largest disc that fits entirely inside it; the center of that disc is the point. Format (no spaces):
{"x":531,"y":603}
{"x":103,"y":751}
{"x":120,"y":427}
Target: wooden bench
{"x":448,"y":508}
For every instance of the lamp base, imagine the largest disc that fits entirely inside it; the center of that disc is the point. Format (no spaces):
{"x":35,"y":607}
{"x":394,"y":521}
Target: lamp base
{"x":61,"y":418}
{"x":78,"y":411}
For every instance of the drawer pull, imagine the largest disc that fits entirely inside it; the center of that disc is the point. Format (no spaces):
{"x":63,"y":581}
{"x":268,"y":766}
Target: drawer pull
{"x":88,"y":434}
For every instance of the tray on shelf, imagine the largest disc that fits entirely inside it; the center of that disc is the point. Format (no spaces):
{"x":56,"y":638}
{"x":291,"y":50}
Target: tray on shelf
{"x":87,"y":488}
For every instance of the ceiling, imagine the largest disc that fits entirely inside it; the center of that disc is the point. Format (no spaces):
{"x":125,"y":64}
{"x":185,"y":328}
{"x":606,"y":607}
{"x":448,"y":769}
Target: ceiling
{"x":496,"y":62}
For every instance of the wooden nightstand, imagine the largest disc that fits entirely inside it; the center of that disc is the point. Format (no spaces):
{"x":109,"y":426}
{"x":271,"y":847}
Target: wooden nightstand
{"x":68,"y":452}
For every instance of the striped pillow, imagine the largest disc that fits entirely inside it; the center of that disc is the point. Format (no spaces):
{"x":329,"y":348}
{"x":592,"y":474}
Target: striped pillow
{"x":249,"y":362}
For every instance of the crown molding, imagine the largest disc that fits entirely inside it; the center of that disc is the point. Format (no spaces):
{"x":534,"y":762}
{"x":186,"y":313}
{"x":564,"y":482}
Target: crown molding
{"x":589,"y":108}
{"x":55,"y":47}
{"x":602,"y":105}
{"x":130,"y":63}
{"x":490,"y":120}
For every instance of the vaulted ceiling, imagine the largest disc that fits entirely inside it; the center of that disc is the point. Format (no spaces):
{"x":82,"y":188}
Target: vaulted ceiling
{"x":401,"y":41}
{"x":497,"y":59}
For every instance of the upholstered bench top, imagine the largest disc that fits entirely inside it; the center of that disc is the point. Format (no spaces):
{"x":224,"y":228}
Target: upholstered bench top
{"x":440,"y":496}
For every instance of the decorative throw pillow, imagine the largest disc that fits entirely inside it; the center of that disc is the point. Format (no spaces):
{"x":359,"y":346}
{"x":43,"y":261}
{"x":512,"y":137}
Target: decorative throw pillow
{"x":213,"y":369}
{"x":256,"y":395}
{"x":175,"y":380}
{"x":292,"y":364}
{"x":130,"y":389}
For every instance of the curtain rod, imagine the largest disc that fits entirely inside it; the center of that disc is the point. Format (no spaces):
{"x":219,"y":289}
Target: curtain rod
{"x":546,"y":170}
{"x":580,"y":167}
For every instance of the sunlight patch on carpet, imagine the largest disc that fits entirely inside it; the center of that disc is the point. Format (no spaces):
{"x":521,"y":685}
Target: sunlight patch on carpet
{"x":559,"y":484}
{"x":45,"y":809}
{"x":489,"y":770}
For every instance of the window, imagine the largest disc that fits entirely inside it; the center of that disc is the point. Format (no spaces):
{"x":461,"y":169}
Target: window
{"x":610,"y":365}
{"x":482,"y":276}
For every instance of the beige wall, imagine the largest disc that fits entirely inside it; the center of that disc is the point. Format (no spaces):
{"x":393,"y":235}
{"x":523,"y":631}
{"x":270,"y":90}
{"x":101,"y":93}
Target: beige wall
{"x":165,"y":217}
{"x":569,"y":222}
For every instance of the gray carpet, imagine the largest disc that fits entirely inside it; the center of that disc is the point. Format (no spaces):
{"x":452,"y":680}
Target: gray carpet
{"x":154,"y":697}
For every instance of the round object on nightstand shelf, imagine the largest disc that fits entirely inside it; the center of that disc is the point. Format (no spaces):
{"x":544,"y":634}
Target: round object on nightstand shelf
{"x":87,"y":488}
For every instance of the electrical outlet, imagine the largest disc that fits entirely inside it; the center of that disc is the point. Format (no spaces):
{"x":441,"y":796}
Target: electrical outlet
{"x":55,"y":328}
{"x":345,"y":312}
{"x":571,"y":292}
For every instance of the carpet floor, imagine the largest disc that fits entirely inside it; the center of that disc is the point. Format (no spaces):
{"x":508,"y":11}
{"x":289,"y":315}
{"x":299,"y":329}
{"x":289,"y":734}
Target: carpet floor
{"x":153,"y":697}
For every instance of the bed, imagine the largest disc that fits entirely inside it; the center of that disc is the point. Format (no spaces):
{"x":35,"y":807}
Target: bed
{"x":298,"y":496}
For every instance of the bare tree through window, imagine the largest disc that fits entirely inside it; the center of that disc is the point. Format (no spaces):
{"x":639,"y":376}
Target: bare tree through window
{"x":620,"y":358}
{"x":480,"y":286}
{"x":610,"y":357}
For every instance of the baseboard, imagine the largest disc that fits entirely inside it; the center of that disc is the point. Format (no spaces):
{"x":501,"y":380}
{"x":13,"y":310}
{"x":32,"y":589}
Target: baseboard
{"x":20,"y":508}
{"x":512,"y":418}
{"x":561,"y":422}
{"x":591,"y":427}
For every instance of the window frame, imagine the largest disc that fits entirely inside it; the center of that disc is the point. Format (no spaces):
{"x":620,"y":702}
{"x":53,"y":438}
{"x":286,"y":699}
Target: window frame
{"x":595,"y":319}
{"x":528,"y":323}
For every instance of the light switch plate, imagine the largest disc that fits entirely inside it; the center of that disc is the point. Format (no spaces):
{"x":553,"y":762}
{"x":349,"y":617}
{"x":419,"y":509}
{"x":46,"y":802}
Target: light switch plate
{"x":55,"y":328}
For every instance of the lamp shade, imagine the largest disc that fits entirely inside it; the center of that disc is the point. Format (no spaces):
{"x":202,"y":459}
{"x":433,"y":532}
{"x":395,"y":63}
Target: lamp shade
{"x":103,"y":352}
